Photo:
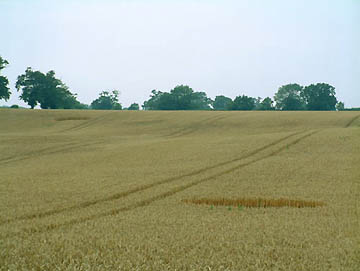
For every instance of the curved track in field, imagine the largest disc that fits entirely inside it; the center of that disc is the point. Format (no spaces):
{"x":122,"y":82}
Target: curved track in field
{"x":163,"y":195}
{"x":69,"y":147}
{"x":120,"y":195}
{"x":196,"y":126}
{"x":88,"y":123}
{"x":352,"y":121}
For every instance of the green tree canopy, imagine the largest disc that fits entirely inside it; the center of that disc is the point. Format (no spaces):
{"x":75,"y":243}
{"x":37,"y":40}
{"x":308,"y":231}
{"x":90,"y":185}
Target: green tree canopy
{"x":200,"y":101}
{"x":4,"y":82}
{"x":288,"y":97}
{"x":340,"y":106}
{"x":319,"y":97}
{"x":266,"y":104}
{"x":46,"y":90}
{"x":222,"y":103}
{"x":153,"y":102}
{"x":134,"y":106}
{"x":107,"y":101}
{"x":243,"y":103}
{"x":180,"y":98}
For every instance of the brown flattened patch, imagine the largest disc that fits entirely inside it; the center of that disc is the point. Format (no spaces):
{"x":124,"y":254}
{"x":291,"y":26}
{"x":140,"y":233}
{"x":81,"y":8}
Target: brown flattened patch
{"x":256,"y":202}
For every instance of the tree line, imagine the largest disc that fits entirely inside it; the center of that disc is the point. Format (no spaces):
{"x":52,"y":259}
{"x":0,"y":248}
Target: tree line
{"x":49,"y":92}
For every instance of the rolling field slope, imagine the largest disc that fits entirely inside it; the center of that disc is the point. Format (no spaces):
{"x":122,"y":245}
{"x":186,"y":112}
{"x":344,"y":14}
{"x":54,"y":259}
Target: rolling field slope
{"x":122,"y":190}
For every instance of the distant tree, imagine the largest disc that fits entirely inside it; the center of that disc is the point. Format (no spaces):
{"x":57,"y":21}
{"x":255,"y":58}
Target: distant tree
{"x":167,"y":102}
{"x":46,"y":90}
{"x":257,"y":103}
{"x":4,"y":82}
{"x":31,"y":84}
{"x":15,"y":106}
{"x":243,"y":103}
{"x":107,"y":101}
{"x":3,"y":63}
{"x":266,"y":104}
{"x":288,"y":97}
{"x":83,"y":106}
{"x":340,"y":106}
{"x":180,"y":98}
{"x":293,"y":103}
{"x":134,"y":106}
{"x":72,"y":103}
{"x":153,"y":102}
{"x":184,"y":98}
{"x":319,"y":97}
{"x":200,"y":101}
{"x":222,"y":103}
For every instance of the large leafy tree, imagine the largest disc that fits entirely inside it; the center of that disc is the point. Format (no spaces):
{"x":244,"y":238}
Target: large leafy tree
{"x":46,"y":90}
{"x":4,"y":82}
{"x":180,"y":98}
{"x":31,"y":84}
{"x":169,"y":102}
{"x":243,"y":103}
{"x":222,"y":103}
{"x":185,"y":98}
{"x":107,"y":101}
{"x":288,"y":97}
{"x":266,"y":104}
{"x":319,"y":97}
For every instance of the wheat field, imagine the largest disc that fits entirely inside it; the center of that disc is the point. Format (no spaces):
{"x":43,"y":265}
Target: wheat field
{"x":121,"y":190}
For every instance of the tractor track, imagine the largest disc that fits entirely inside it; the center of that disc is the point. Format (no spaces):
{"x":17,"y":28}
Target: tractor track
{"x":87,"y":124}
{"x":164,"y":195}
{"x":47,"y":151}
{"x":195,"y":127}
{"x":352,"y":121}
{"x":148,"y":186}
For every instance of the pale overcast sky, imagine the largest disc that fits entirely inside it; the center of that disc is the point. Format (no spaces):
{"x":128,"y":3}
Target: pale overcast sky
{"x":227,"y":47}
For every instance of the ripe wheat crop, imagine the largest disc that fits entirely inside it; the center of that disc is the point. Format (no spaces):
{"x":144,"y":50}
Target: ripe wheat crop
{"x":122,"y":190}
